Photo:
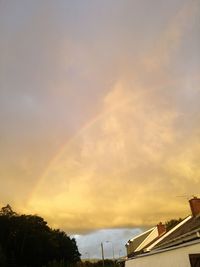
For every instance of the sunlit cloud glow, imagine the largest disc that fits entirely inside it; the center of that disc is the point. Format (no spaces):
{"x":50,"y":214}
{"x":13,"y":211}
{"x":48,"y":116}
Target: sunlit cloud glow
{"x":105,"y":131}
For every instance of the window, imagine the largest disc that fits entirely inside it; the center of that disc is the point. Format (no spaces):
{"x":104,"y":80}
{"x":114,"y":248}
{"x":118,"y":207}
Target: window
{"x":194,"y":260}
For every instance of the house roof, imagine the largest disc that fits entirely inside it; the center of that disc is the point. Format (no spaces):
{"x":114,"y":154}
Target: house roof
{"x":136,"y":241}
{"x":187,"y":229}
{"x":145,"y":248}
{"x":157,"y":240}
{"x":183,"y":234}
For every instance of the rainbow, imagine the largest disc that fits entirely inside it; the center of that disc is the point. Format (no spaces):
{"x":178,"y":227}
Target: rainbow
{"x":67,"y":144}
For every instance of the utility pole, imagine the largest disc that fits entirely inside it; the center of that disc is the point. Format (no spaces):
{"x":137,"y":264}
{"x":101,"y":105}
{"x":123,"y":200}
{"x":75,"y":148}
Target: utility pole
{"x":102,"y":253}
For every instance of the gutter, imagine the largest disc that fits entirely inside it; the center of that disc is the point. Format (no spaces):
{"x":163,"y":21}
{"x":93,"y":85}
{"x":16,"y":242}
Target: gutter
{"x":181,"y":239}
{"x":147,"y":254}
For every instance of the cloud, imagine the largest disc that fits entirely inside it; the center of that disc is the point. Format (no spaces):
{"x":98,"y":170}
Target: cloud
{"x":122,"y":169}
{"x":119,"y":120}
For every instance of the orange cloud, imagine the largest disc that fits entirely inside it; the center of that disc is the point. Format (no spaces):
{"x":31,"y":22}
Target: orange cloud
{"x":127,"y":165}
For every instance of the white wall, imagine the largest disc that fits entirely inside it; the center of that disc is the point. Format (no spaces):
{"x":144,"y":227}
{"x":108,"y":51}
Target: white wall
{"x":173,"y":258}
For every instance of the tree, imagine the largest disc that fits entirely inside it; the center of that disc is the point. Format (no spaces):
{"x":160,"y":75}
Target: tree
{"x":30,"y":242}
{"x":2,"y":258}
{"x":173,"y":222}
{"x":7,"y":211}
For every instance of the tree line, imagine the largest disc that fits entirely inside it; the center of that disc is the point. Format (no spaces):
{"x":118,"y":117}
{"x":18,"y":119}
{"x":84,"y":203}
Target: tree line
{"x":99,"y":263}
{"x":28,"y":241}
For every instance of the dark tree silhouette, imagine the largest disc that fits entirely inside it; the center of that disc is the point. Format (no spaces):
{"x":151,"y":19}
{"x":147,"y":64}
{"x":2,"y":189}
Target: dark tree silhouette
{"x":7,"y":211}
{"x":2,"y":258}
{"x":107,"y":263}
{"x":173,"y":222}
{"x":27,"y":241}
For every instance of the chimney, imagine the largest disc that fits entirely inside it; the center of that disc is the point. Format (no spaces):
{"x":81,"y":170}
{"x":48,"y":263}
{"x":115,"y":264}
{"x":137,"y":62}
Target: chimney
{"x":161,"y":228}
{"x":195,"y":206}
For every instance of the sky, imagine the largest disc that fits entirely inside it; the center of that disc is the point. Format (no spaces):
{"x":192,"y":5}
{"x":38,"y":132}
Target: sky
{"x":100,"y":114}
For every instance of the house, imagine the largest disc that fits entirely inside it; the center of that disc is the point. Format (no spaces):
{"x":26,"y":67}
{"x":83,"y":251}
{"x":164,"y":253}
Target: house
{"x":179,"y":247}
{"x":137,"y":244}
